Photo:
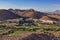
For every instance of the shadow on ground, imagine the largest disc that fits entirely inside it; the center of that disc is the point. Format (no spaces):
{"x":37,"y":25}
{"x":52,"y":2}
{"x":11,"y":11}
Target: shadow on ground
{"x":38,"y":37}
{"x":33,"y":36}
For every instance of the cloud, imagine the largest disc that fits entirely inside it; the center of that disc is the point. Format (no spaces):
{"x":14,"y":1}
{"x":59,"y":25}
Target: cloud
{"x":56,"y":5}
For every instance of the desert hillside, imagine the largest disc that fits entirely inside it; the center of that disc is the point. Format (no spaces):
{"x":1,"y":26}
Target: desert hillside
{"x":5,"y":15}
{"x":17,"y":13}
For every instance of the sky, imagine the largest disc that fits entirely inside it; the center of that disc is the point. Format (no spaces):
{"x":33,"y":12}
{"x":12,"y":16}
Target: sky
{"x":39,"y":5}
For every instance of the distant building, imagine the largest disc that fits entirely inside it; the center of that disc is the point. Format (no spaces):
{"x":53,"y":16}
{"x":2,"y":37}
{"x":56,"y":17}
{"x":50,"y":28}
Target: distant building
{"x":35,"y":20}
{"x":26,"y":21}
{"x":46,"y":21}
{"x":57,"y":22}
{"x":12,"y":20}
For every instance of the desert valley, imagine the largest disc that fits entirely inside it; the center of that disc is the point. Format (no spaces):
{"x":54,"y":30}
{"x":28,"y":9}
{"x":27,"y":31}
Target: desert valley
{"x":29,"y":24}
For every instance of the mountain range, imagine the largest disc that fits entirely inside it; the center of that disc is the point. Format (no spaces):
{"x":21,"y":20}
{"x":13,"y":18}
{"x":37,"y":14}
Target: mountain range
{"x":17,"y":13}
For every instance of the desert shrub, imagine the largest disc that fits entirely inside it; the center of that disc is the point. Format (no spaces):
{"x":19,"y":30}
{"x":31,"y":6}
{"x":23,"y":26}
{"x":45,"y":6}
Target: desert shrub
{"x":57,"y":29}
{"x":47,"y":23}
{"x":9,"y":32}
{"x":31,"y":29}
{"x":34,"y":24}
{"x":2,"y":25}
{"x":48,"y":29}
{"x":21,"y":29}
{"x":19,"y":25}
{"x":28,"y":24}
{"x":27,"y":29}
{"x":35,"y":29}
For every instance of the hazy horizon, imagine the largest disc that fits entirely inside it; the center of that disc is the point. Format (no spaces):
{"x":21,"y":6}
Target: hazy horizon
{"x":40,"y":5}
